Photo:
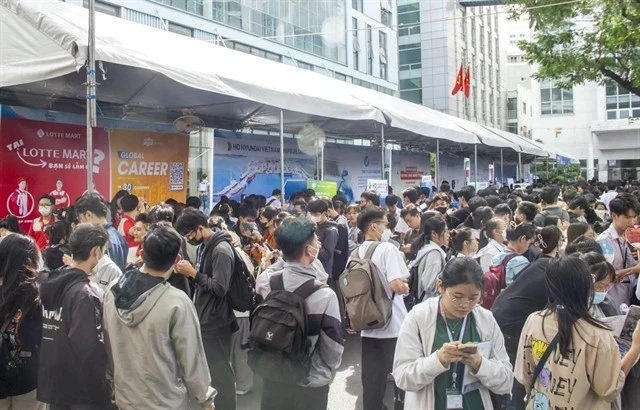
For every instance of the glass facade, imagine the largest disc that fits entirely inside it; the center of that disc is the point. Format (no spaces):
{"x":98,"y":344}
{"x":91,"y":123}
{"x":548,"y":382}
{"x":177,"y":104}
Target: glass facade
{"x":307,"y":25}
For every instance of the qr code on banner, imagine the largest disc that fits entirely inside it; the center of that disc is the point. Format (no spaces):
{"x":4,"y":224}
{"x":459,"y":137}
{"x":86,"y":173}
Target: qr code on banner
{"x":176,"y":176}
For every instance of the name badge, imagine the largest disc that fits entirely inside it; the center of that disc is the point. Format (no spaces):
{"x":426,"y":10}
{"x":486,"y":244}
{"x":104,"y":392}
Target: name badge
{"x":454,"y":400}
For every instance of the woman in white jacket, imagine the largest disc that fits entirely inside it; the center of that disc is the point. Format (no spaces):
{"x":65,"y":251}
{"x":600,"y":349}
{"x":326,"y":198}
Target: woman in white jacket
{"x":430,"y":258}
{"x":429,"y":363}
{"x":491,"y":242}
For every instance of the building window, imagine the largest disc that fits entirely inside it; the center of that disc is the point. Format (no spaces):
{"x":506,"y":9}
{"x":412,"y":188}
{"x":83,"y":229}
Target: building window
{"x":357,"y":4}
{"x":304,"y":66}
{"x":524,"y":108}
{"x":512,"y":38}
{"x":178,"y":29}
{"x":410,"y":56}
{"x":339,"y":76}
{"x":621,"y":104}
{"x":369,"y":50}
{"x":554,"y":100}
{"x":386,"y":17}
{"x":105,"y":8}
{"x":483,"y":101}
{"x":356,"y":44}
{"x":383,"y":55}
{"x":411,"y":90}
{"x":512,"y":108}
{"x":512,"y":127}
{"x":409,"y":19}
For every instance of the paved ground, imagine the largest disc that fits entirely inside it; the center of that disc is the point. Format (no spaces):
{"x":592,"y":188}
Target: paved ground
{"x":346,"y":390}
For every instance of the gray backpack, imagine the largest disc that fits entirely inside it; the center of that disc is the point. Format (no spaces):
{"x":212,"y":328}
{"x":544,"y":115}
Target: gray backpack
{"x":365,"y":298}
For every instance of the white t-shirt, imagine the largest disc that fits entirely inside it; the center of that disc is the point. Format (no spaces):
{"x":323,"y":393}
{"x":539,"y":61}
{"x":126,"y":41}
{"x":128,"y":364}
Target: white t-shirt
{"x":401,"y":226}
{"x":391,"y":266}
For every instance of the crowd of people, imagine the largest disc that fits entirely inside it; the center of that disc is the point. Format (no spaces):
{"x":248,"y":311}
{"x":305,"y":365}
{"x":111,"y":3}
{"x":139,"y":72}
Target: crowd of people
{"x":489,"y":299}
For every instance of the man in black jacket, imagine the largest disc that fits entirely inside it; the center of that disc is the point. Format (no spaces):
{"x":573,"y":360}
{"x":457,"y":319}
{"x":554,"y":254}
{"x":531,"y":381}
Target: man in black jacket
{"x":73,"y":358}
{"x":212,"y":276}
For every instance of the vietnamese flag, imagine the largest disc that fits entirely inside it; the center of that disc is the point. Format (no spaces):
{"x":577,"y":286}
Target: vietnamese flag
{"x":458,"y":86}
{"x":467,"y":83}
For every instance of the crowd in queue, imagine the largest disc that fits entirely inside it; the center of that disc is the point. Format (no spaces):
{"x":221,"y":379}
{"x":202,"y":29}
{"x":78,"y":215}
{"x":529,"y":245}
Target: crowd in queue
{"x":489,"y":299}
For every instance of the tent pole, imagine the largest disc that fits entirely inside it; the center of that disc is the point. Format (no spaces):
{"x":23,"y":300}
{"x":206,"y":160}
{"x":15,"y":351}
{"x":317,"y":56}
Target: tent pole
{"x":213,"y":169}
{"x":501,"y":168}
{"x":437,"y":181}
{"x":91,"y":93}
{"x":382,"y":148}
{"x":520,"y":167}
{"x":475,"y":164}
{"x":282,"y":156}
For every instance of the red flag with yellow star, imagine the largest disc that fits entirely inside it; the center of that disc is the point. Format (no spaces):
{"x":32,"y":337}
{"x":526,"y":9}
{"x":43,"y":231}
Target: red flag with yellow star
{"x":467,"y":83}
{"x":459,"y":81}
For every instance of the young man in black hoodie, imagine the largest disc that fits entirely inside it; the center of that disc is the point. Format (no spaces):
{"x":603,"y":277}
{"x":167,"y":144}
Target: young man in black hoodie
{"x":73,"y":358}
{"x":212,"y":276}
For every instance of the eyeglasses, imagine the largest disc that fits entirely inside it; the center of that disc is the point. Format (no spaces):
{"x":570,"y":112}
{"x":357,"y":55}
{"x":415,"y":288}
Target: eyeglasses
{"x":470,"y":302}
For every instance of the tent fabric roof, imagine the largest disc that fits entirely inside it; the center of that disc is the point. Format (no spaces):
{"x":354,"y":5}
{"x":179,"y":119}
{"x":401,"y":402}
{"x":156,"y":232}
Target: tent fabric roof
{"x":43,"y":45}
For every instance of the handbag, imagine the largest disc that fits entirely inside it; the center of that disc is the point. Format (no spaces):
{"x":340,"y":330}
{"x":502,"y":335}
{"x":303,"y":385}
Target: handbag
{"x":540,"y":366}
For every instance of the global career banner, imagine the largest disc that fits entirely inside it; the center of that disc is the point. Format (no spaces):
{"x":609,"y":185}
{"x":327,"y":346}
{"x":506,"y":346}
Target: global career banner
{"x":150,"y":165}
{"x":50,"y":158}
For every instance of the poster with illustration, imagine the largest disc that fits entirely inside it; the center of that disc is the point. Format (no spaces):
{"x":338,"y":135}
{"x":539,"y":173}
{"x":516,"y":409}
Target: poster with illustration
{"x":246,"y":164}
{"x":47,"y":158}
{"x":150,"y":165}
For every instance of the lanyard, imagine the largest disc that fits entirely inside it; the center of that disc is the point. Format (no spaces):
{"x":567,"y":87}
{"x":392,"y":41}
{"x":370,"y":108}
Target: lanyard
{"x":623,"y":253}
{"x":454,"y":376}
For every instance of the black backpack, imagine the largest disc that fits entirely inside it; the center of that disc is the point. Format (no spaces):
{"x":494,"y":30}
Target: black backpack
{"x":242,"y":287}
{"x":413,"y":298}
{"x":279,"y":348}
{"x":341,"y":253}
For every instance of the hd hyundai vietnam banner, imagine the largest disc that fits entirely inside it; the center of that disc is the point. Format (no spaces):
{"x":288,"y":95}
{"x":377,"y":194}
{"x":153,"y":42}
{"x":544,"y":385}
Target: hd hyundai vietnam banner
{"x":50,"y":158}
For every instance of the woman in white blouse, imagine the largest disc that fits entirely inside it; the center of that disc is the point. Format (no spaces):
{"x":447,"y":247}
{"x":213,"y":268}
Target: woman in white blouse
{"x":491,"y":242}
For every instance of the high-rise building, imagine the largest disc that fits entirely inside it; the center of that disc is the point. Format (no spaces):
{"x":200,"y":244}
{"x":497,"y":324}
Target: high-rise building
{"x":351,"y":40}
{"x":516,"y":78}
{"x":435,"y":38}
{"x":597,"y":123}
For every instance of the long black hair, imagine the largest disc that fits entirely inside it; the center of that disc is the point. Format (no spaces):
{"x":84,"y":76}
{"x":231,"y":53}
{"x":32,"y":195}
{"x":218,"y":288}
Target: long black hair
{"x":432,"y":225}
{"x":19,"y":258}
{"x":459,"y":237}
{"x":569,"y":287}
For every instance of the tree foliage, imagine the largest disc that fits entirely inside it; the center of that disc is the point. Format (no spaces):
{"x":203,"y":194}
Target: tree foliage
{"x":583,"y":40}
{"x":559,"y":174}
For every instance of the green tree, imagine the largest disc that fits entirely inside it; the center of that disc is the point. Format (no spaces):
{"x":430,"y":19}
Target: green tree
{"x":559,"y":174}
{"x":583,"y":40}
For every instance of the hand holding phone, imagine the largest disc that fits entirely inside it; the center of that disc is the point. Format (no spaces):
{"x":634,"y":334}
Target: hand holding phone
{"x":468,"y":347}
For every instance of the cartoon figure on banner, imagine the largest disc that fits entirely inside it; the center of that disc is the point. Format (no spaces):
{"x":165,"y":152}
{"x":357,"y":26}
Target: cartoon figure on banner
{"x":61,"y":197}
{"x":344,"y":186}
{"x":20,"y":202}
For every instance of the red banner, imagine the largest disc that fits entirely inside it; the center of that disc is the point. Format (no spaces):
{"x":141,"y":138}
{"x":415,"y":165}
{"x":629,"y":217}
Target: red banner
{"x":47,"y":158}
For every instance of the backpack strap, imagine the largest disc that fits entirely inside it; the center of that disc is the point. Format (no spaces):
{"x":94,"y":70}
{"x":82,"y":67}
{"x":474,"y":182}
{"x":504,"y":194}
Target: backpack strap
{"x":276,"y":282}
{"x":543,"y":360}
{"x":308,"y":288}
{"x":371,"y":250}
{"x":508,"y":258}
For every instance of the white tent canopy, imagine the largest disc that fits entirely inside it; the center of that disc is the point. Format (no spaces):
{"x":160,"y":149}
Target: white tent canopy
{"x":155,"y":75}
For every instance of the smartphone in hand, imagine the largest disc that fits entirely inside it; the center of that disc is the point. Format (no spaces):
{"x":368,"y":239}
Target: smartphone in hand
{"x":468,"y":347}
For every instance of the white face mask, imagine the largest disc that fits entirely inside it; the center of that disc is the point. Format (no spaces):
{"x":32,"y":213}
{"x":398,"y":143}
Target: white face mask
{"x":45,"y":210}
{"x":386,"y":235}
{"x":316,"y":219}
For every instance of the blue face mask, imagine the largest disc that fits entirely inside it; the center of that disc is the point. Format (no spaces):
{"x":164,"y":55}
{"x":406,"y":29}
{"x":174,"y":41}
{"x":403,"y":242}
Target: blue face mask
{"x":598,"y":297}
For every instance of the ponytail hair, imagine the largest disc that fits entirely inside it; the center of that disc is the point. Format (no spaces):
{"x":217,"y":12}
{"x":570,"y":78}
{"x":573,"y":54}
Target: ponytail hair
{"x":459,"y":237}
{"x":549,"y":238}
{"x":486,"y":234}
{"x":430,"y":226}
{"x":515,"y":231}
